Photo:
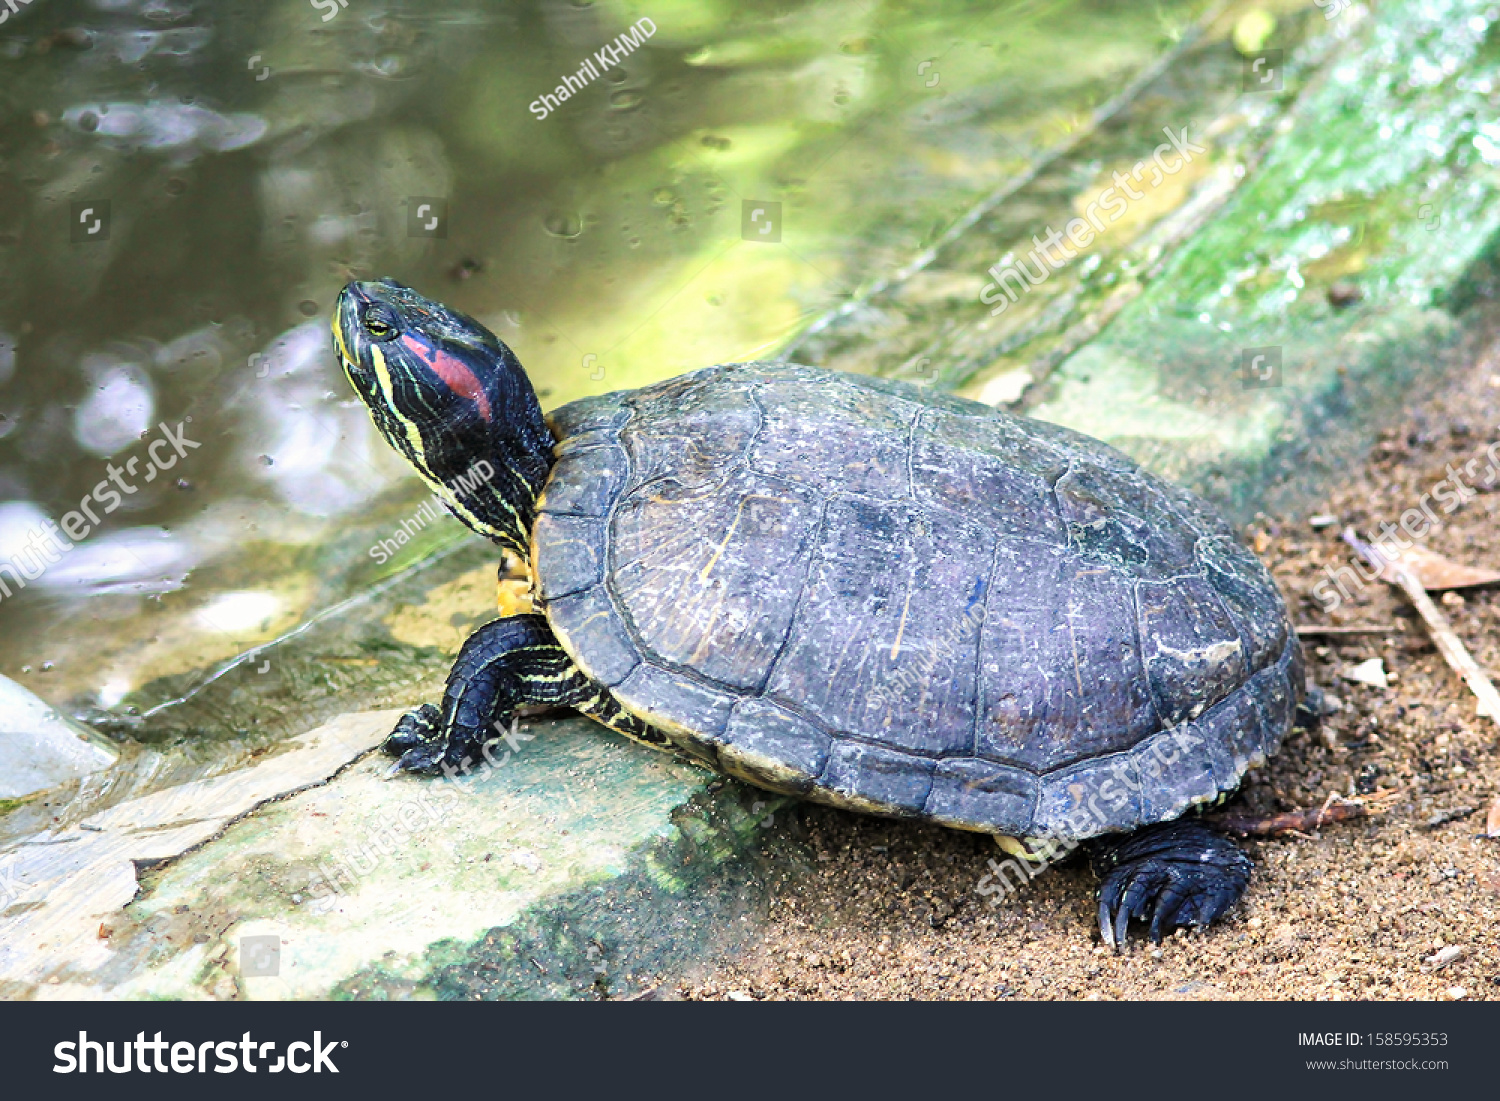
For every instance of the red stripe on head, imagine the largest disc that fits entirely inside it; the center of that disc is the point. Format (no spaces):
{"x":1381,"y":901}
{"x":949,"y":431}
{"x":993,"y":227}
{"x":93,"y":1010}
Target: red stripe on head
{"x":454,"y":372}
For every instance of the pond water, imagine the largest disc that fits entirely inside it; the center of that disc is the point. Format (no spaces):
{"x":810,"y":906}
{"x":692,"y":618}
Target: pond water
{"x":187,"y":186}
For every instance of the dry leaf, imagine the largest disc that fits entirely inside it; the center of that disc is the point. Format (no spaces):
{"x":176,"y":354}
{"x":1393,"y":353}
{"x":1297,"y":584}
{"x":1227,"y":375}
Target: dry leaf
{"x":1436,"y":573}
{"x":1455,"y":653}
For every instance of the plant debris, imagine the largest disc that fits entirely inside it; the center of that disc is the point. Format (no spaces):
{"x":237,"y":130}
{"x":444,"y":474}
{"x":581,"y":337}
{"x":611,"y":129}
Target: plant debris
{"x":1292,"y":821}
{"x":1401,"y":571}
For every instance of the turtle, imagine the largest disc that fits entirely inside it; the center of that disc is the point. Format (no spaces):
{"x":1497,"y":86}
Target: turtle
{"x":853,"y":590}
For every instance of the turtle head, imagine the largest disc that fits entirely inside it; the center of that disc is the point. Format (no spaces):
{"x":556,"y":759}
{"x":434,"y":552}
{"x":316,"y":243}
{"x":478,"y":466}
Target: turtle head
{"x":448,"y":395}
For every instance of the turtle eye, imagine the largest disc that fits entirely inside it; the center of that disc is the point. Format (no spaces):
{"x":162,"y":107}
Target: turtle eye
{"x":379,"y":322}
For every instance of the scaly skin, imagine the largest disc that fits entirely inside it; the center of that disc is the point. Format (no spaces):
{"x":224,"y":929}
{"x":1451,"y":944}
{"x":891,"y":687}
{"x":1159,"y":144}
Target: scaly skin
{"x":504,"y":666}
{"x":446,"y":393}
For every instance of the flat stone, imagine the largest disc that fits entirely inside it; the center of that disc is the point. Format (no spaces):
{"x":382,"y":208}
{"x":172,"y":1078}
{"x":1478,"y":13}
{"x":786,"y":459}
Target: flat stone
{"x":316,"y":883}
{"x":40,"y":748}
{"x":59,"y":888}
{"x":365,"y":875}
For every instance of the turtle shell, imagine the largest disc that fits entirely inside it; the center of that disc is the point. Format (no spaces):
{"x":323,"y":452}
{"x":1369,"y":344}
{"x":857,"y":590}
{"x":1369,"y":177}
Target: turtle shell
{"x":894,"y":600}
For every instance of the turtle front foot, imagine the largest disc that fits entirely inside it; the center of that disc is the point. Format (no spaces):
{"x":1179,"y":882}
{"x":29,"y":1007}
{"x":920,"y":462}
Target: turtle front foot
{"x":418,"y":743}
{"x":507,"y":664}
{"x":1177,"y":873}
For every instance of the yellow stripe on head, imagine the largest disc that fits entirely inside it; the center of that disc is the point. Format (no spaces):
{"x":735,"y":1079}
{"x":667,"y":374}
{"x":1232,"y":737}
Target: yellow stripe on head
{"x":388,"y":387}
{"x":338,"y":340}
{"x":414,"y":437}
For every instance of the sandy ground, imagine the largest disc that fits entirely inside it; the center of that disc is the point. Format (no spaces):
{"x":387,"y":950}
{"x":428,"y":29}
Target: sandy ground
{"x":1353,"y":911}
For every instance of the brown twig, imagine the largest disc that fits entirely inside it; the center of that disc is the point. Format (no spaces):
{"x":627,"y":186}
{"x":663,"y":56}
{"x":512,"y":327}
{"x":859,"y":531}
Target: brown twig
{"x":1448,"y":643}
{"x":1292,"y":821}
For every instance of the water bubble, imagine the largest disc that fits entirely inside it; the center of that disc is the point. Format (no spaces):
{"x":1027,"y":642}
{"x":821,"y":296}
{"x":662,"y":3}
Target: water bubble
{"x":663,"y":196}
{"x":567,"y":226}
{"x":117,"y":410}
{"x":307,"y":307}
{"x":625,"y":99}
{"x":391,"y":66}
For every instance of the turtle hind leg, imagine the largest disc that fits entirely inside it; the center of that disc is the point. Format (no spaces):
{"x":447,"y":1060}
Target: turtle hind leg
{"x":599,"y":705}
{"x":1176,"y":873}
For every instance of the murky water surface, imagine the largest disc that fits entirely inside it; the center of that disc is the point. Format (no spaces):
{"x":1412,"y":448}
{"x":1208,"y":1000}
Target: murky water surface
{"x":186,"y":186}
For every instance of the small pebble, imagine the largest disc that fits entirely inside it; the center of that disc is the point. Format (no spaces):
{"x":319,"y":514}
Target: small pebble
{"x":1443,"y":817}
{"x":1370,"y":672}
{"x":1343,"y":294}
{"x":1457,"y":993}
{"x":1322,"y":520}
{"x":1446,"y":956}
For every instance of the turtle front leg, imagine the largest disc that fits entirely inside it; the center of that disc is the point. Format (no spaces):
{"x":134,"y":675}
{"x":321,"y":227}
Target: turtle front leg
{"x":506,"y":665}
{"x":1176,"y":873}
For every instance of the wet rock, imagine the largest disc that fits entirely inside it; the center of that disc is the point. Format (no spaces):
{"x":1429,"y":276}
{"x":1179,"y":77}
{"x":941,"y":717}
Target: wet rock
{"x":39,"y":748}
{"x":58,"y":888}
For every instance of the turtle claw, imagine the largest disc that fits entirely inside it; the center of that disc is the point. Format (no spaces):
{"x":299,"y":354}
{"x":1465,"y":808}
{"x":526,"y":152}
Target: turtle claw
{"x":417,"y":727}
{"x":416,"y":744}
{"x":424,"y":760}
{"x":1179,"y":873}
